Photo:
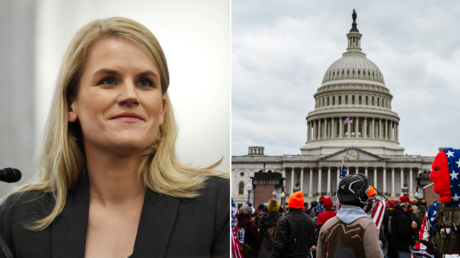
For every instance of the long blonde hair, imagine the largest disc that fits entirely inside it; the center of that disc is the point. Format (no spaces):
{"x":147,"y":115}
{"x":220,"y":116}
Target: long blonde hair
{"x":61,"y":157}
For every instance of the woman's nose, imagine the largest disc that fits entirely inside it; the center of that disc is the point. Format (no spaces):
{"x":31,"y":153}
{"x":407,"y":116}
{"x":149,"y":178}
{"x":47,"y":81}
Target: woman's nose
{"x":129,"y":95}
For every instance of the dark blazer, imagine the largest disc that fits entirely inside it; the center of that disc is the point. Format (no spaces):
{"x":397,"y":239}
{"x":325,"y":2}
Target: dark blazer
{"x":168,"y":227}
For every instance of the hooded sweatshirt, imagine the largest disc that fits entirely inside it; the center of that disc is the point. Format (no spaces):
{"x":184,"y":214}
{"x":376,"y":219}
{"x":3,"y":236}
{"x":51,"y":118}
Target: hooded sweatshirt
{"x":352,"y":233}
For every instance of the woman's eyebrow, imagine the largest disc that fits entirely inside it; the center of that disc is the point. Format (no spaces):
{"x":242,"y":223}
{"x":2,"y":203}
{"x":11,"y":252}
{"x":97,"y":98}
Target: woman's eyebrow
{"x":113,"y":72}
{"x":148,"y":73}
{"x":105,"y":71}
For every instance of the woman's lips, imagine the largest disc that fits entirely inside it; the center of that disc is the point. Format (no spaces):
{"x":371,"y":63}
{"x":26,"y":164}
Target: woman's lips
{"x":128,"y":117}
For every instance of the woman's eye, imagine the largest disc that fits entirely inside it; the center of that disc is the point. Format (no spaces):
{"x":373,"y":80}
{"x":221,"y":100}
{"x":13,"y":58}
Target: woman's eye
{"x":109,"y":81}
{"x":145,"y":82}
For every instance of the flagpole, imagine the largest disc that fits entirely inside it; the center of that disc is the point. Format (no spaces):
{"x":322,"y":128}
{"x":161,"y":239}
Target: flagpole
{"x":352,"y":130}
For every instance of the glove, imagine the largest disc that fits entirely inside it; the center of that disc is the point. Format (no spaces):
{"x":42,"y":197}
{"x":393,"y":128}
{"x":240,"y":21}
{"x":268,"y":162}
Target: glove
{"x":430,"y":252}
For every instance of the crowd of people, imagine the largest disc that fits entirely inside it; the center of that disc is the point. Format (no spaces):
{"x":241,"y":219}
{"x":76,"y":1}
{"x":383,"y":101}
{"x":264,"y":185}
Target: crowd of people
{"x":358,"y":225}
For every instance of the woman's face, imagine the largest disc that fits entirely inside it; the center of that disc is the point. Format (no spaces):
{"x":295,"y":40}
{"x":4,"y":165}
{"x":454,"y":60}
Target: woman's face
{"x":119,"y":104}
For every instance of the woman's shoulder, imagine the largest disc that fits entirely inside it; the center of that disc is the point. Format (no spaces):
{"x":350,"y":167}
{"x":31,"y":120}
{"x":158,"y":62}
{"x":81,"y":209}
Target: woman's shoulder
{"x":217,"y":184}
{"x":30,"y":202}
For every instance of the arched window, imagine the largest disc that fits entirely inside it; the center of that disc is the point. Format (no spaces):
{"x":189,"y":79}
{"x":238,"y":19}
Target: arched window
{"x":360,"y":100}
{"x":346,"y":99}
{"x":343,"y":71}
{"x":378,"y":102}
{"x":367,"y":102}
{"x":323,"y":103}
{"x":359,"y":72}
{"x":327,"y":101}
{"x":333,"y":100}
{"x":353,"y":71}
{"x":340,"y":100}
{"x":348,"y":71}
{"x":353,"y":99}
{"x":241,"y":188}
{"x":372,"y":101}
{"x":333,"y":73}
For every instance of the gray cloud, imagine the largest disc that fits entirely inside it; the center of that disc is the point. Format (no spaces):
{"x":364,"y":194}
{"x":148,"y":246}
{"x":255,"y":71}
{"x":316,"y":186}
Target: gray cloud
{"x":281,"y":50}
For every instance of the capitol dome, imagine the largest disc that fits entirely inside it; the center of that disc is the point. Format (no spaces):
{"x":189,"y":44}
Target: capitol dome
{"x":353,"y":88}
{"x":353,"y":65}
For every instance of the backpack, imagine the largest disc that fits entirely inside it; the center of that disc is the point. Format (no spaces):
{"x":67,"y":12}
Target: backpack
{"x":270,"y":235}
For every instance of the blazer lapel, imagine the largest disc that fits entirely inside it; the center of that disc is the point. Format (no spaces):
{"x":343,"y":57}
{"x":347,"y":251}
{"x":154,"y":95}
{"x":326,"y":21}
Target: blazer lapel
{"x":68,"y":231}
{"x":156,"y":225}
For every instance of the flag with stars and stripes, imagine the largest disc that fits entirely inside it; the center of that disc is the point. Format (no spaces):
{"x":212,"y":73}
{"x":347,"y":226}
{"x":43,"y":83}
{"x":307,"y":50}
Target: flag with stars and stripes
{"x":343,"y":172}
{"x":453,"y":162}
{"x":236,"y":248}
{"x":349,"y":120}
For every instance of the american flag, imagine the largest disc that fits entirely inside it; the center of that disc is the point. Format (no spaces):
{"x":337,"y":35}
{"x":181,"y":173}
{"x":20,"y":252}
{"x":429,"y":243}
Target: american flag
{"x":349,"y":120}
{"x":343,"y":172}
{"x":453,"y":161}
{"x":378,"y":211}
{"x":236,"y":248}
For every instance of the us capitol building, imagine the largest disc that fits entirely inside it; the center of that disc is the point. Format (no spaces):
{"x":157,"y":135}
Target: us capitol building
{"x":352,"y":86}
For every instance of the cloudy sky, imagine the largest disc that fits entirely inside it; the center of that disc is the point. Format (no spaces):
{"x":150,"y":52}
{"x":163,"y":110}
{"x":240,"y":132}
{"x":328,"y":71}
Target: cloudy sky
{"x":281,"y":50}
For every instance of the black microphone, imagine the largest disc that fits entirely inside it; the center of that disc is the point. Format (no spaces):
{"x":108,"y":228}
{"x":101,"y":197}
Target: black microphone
{"x":10,"y":175}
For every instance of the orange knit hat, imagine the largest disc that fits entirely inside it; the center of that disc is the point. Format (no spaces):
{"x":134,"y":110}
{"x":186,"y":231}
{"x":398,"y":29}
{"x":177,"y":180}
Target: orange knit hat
{"x":371,"y":191}
{"x":296,"y":200}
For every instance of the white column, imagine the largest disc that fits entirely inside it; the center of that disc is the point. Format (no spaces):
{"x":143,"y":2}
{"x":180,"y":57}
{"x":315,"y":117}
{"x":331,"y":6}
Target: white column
{"x":393,"y":182}
{"x":302,"y":170}
{"x":340,"y":127}
{"x":357,"y":128}
{"x":386,"y":130}
{"x":380,"y":129}
{"x":319,"y":129}
{"x":319,"y":180}
{"x":384,"y":180}
{"x":308,"y":131}
{"x":329,"y":181}
{"x":310,"y":193}
{"x":292,"y":180}
{"x":411,"y":189}
{"x":375,"y":177}
{"x":338,"y":176}
{"x":325,"y":129}
{"x":349,"y":130}
{"x":365,"y":127}
{"x":402,"y":180}
{"x":314,"y":129}
{"x":356,"y":170}
{"x":365,"y":171}
{"x":333,"y":130}
{"x":373,"y":128}
{"x":397,"y":132}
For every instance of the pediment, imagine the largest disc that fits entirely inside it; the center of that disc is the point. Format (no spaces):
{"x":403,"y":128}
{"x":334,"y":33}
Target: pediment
{"x":352,"y":154}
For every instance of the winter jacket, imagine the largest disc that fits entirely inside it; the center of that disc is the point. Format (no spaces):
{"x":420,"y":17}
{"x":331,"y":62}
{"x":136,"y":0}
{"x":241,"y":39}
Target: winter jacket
{"x":251,"y":236}
{"x":266,"y":222}
{"x":294,"y":235}
{"x":351,"y":233}
{"x":401,"y":230}
{"x":416,"y":220}
{"x":420,"y":212}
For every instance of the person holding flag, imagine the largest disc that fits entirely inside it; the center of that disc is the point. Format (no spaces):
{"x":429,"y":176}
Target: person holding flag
{"x":236,"y":248}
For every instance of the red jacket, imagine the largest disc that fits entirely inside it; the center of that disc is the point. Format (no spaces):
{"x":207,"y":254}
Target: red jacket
{"x":325,"y":216}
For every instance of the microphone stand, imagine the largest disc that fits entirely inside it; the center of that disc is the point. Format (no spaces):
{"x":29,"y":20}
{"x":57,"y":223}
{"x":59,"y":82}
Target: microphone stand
{"x":5,"y":248}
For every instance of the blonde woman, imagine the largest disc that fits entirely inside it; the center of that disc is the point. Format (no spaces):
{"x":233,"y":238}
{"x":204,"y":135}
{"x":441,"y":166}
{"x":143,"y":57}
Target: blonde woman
{"x":108,"y":182}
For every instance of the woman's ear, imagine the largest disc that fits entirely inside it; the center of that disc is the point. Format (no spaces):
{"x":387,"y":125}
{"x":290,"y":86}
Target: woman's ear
{"x":72,"y":116}
{"x":163,"y":109}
